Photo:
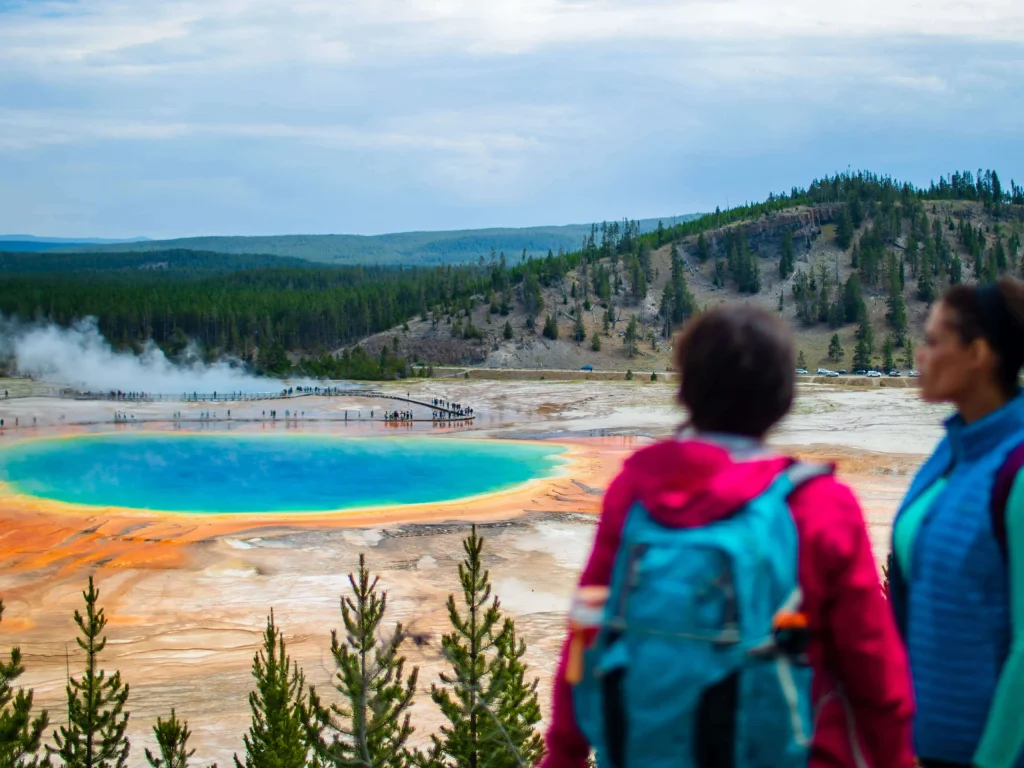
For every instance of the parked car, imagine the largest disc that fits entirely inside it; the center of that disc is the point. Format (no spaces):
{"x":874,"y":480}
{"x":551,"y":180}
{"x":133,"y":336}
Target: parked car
{"x":914,"y":374}
{"x":894,"y":374}
{"x":823,"y":371}
{"x":860,"y":373}
{"x":587,"y":368}
{"x":832,"y":375}
{"x":874,"y":375}
{"x":841,"y":371}
{"x":801,"y":371}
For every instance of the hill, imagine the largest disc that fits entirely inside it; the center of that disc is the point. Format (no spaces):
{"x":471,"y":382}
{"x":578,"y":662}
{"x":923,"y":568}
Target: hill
{"x":852,"y":261}
{"x":172,"y":260}
{"x":33,"y":244}
{"x":864,"y":259}
{"x":407,"y":248}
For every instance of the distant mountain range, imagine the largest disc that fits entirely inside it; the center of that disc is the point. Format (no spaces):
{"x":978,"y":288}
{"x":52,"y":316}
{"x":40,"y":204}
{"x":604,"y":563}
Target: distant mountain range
{"x":34,"y":244}
{"x":408,"y":248}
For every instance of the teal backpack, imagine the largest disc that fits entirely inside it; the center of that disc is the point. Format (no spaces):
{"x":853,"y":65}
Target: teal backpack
{"x":688,"y":669}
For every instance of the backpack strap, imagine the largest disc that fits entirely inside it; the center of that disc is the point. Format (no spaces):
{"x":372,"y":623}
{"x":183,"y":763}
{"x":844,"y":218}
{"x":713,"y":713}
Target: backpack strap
{"x":795,"y":476}
{"x":802,"y":472}
{"x":1005,"y":479}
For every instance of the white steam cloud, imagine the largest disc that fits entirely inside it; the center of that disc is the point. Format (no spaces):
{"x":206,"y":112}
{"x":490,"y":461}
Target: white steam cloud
{"x":82,"y":358}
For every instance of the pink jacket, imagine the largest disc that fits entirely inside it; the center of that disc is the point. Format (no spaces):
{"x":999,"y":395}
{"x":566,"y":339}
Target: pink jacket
{"x":861,"y":683}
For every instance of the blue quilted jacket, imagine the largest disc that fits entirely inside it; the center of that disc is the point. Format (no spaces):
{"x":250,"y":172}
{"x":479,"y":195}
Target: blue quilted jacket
{"x":953,"y":607}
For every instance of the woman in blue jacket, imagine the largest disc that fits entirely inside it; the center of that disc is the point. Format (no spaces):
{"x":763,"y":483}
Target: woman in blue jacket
{"x":957,"y":568}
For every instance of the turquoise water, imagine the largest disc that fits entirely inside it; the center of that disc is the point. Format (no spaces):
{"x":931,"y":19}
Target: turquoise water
{"x":256,"y":473}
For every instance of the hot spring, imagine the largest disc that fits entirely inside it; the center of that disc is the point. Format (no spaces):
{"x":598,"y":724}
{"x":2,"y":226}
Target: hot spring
{"x":234,"y":474}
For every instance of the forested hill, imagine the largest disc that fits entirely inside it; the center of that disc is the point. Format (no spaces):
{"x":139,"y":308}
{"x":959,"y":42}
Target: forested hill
{"x":406,"y":248}
{"x":852,"y":261}
{"x":172,"y":260}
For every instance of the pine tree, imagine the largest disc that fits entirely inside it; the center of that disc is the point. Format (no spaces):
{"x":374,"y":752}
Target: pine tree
{"x":277,"y":737}
{"x":518,"y":712}
{"x":20,"y":733}
{"x":787,"y":262}
{"x":488,"y":706}
{"x":550,"y":328}
{"x":926,"y":290}
{"x":595,"y":342}
{"x":371,"y":729}
{"x":801,"y":361}
{"x":853,"y":299}
{"x":844,"y":230}
{"x":835,"y":348}
{"x":95,"y":734}
{"x":172,"y":737}
{"x":862,"y":356}
{"x":703,"y":251}
{"x":908,"y":353}
{"x":888,"y":362}
{"x":896,"y":316}
{"x":508,"y":333}
{"x":579,"y":332}
{"x":631,"y":336}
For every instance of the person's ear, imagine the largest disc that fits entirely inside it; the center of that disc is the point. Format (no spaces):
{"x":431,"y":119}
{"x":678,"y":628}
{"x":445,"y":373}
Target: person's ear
{"x":981,"y":355}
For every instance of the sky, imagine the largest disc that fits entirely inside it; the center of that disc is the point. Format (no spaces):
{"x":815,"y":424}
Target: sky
{"x":170,"y":118}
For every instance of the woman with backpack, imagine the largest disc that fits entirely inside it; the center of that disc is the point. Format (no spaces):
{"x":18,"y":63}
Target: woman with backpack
{"x":730,"y":613}
{"x":957,"y":568}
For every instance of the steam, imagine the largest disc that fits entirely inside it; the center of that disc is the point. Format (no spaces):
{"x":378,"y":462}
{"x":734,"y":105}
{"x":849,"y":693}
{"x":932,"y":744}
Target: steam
{"x":81,"y":357}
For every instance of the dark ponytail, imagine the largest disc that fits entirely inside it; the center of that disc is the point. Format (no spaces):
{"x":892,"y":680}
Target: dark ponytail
{"x":994,"y":313}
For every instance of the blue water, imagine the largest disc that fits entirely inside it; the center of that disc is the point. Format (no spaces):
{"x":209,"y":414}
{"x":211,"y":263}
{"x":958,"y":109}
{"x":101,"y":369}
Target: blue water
{"x":256,"y":473}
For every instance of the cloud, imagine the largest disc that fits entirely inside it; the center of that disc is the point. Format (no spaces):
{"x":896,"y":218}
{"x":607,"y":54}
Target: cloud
{"x":122,"y":117}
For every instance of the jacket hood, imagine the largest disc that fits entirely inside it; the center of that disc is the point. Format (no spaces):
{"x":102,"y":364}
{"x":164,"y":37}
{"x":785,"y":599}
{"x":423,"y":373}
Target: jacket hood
{"x":693,"y":481}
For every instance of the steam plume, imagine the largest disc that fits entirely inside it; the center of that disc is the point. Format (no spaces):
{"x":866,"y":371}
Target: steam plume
{"x":81,"y":357}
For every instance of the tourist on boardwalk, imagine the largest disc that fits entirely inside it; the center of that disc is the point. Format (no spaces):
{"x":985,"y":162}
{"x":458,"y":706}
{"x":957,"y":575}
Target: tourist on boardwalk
{"x":957,"y":570}
{"x":710,"y":659}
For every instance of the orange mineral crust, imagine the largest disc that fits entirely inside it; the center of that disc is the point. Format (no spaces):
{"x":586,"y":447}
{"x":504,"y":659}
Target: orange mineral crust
{"x":187,"y":595}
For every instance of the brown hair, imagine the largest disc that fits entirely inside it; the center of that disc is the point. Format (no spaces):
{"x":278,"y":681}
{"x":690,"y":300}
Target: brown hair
{"x":737,"y":368}
{"x":994,"y":313}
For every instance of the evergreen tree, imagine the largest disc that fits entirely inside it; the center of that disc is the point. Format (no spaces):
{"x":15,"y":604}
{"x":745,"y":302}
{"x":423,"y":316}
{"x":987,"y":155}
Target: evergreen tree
{"x":866,"y":334}
{"x":508,"y":333}
{"x":95,"y":734}
{"x":371,"y":729}
{"x":801,"y":361}
{"x":595,"y":342}
{"x":908,"y":353}
{"x":20,"y":733}
{"x":550,"y":328}
{"x":844,"y":230}
{"x":631,"y":336}
{"x":888,"y":361}
{"x":518,"y":712}
{"x":926,"y":290}
{"x":896,"y":316}
{"x":579,"y":332}
{"x":835,"y":348}
{"x":277,"y":737}
{"x":172,"y":737}
{"x":862,"y":356}
{"x":479,"y":693}
{"x":824,"y":297}
{"x":853,"y":299}
{"x":787,"y":263}
{"x":703,"y":251}
{"x":956,"y":271}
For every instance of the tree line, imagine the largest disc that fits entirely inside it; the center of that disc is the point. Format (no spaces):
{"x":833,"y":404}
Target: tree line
{"x":365,"y":720}
{"x":268,"y":312}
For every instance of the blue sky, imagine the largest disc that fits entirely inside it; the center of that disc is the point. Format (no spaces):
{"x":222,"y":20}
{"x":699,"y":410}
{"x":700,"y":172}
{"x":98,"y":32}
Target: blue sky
{"x":171,"y":118}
